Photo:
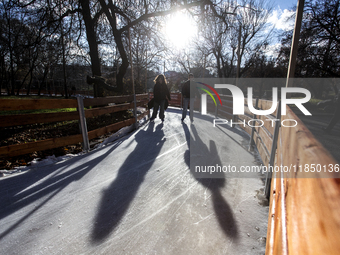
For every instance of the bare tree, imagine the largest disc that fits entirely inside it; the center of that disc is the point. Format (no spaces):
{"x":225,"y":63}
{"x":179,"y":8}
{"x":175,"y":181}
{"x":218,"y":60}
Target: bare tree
{"x":319,"y":46}
{"x":234,"y":32}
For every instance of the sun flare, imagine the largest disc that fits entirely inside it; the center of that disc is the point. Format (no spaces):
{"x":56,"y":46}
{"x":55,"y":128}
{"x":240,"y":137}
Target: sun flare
{"x":180,"y":30}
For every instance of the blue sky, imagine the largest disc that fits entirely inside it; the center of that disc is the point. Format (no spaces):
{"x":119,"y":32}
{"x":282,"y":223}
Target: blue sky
{"x":281,"y":11}
{"x":284,"y":4}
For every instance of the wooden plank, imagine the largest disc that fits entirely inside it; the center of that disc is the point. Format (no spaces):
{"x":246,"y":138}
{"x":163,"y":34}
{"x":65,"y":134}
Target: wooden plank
{"x":36,"y":104}
{"x":266,"y":105}
{"x":279,"y":238}
{"x":312,"y":204}
{"x":21,"y":149}
{"x":26,"y":119}
{"x":262,"y":105}
{"x":142,"y":103}
{"x":245,"y":101}
{"x":176,"y":96}
{"x":265,"y":156}
{"x":142,"y":96}
{"x":246,"y":128}
{"x":175,"y":103}
{"x":107,"y":100}
{"x":211,"y":108}
{"x":89,"y":113}
{"x":271,"y":219}
{"x":226,"y":97}
{"x":269,"y":123}
{"x":111,"y":128}
{"x":275,"y":240}
{"x":266,"y":139}
{"x":114,"y":100}
{"x":248,"y":112}
{"x":175,"y":99}
{"x":224,"y":114}
{"x":261,"y":133}
{"x":228,"y":103}
{"x":226,"y":109}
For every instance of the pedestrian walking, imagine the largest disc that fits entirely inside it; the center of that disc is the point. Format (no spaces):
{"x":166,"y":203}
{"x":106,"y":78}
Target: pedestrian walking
{"x":161,"y":94}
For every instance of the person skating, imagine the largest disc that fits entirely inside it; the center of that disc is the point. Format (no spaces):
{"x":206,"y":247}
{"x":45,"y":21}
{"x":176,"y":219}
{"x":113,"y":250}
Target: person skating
{"x":161,"y":94}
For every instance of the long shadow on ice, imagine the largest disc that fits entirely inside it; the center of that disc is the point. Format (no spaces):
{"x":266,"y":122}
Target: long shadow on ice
{"x":40,"y":186}
{"x":118,"y":196}
{"x":214,"y":182}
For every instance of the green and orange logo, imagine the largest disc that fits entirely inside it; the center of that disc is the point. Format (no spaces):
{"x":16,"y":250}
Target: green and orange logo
{"x":209,"y":93}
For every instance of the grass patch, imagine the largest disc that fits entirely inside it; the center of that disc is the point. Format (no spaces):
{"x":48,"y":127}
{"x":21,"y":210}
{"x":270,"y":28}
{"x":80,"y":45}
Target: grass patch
{"x":35,"y":111}
{"x":38,"y":111}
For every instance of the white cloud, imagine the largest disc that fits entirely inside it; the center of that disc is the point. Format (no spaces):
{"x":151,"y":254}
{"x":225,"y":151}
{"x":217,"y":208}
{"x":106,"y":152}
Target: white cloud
{"x":280,"y":19}
{"x":272,"y":50}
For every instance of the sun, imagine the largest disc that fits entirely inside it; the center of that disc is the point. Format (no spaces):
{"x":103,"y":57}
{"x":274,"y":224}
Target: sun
{"x":180,"y":30}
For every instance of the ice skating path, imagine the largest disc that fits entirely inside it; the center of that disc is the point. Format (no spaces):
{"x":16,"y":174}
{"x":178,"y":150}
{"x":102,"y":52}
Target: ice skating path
{"x":134,"y":196}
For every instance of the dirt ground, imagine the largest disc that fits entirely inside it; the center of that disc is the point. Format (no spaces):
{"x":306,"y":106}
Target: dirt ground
{"x":36,"y":132}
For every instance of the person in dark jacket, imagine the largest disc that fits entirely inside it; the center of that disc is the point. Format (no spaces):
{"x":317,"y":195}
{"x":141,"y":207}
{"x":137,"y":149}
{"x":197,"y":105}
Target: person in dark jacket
{"x":161,"y":94}
{"x":186,"y":98}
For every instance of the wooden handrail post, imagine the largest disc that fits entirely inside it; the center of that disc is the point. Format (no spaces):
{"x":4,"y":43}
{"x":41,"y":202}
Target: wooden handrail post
{"x":253,"y":128}
{"x":148,"y":101}
{"x":135,"y":110}
{"x":83,"y":127}
{"x":273,"y":151}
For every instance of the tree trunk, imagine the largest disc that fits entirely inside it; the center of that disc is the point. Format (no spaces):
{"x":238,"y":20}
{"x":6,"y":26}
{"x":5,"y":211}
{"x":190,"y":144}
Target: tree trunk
{"x":43,"y":80}
{"x":92,"y":41}
{"x":125,"y":62}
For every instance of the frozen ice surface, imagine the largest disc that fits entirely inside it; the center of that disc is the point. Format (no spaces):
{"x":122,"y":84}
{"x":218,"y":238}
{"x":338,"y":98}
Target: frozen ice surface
{"x":136,"y":195}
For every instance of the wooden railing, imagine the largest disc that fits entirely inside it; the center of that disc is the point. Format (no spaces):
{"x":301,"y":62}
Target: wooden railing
{"x":263,"y":132}
{"x":304,"y":206}
{"x":121,"y":103}
{"x":52,"y":92}
{"x":176,"y":99}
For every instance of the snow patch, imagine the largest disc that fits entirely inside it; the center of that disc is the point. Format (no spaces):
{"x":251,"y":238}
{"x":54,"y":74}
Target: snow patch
{"x":37,"y":163}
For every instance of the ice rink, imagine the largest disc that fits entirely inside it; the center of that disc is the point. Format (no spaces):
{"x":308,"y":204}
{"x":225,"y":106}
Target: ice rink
{"x":136,"y":195}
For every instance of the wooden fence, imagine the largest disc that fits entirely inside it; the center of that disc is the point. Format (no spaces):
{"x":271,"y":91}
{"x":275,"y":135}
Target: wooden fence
{"x":303,"y":212}
{"x":176,"y":99}
{"x":52,"y":92}
{"x":263,"y":131}
{"x":121,"y":103}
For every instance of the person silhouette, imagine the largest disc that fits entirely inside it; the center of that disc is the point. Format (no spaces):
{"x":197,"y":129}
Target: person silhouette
{"x":161,"y":94}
